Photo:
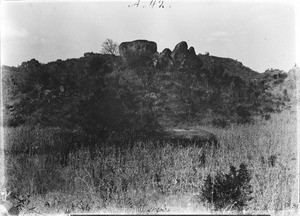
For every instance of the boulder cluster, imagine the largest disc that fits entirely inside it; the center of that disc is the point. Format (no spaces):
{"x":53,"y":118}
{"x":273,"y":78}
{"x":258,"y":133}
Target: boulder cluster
{"x":180,"y":56}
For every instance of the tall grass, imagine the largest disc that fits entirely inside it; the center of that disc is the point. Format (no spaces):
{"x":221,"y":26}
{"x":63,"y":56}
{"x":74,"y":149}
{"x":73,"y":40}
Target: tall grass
{"x":154,"y":178}
{"x":275,"y":187}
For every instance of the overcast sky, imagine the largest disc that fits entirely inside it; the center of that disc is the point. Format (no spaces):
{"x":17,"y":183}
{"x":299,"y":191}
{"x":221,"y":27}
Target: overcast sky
{"x":261,"y":34}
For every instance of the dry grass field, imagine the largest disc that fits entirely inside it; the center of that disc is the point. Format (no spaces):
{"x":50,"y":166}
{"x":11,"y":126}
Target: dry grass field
{"x":159,"y":179}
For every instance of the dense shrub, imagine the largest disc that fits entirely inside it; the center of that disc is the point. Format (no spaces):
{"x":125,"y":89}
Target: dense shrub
{"x":228,"y":190}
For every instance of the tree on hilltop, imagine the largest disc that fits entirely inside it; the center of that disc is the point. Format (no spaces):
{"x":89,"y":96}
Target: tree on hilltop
{"x":110,"y":47}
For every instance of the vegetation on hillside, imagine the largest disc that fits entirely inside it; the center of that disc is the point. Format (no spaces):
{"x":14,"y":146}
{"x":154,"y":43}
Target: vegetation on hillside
{"x":79,"y":132}
{"x":105,"y":91}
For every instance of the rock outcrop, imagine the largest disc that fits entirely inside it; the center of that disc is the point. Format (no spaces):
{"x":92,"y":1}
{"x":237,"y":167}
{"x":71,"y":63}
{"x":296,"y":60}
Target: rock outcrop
{"x":139,"y":52}
{"x":88,"y":54}
{"x":181,"y":56}
{"x":165,"y":60}
{"x":180,"y":52}
{"x":191,"y":52}
{"x":165,"y":54}
{"x":138,"y":47}
{"x":184,"y":57}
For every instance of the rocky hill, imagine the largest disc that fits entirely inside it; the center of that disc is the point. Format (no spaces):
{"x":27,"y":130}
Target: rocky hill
{"x":232,"y":67}
{"x":142,"y":90}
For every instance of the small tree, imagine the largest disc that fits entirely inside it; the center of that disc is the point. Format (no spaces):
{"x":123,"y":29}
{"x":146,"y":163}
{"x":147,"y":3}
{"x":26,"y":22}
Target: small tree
{"x":110,"y":47}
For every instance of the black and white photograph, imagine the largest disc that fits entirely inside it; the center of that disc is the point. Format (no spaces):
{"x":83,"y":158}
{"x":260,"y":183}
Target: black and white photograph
{"x":149,"y":107}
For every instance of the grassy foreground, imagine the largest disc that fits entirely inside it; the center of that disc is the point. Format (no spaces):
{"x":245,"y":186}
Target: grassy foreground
{"x":158,"y":179}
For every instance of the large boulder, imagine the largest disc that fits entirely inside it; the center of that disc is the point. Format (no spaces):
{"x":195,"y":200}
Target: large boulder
{"x":165,"y":60}
{"x":191,"y":52}
{"x":184,"y":57}
{"x":180,"y":52}
{"x":138,"y":47}
{"x":138,"y":53}
{"x":165,"y":54}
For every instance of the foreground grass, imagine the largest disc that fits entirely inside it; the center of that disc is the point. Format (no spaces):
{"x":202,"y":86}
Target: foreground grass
{"x":275,"y":187}
{"x":154,"y":179}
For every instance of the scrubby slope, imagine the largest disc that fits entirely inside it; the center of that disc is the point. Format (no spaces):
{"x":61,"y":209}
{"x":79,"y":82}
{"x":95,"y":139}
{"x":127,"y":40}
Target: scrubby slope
{"x":232,"y":67}
{"x":187,"y":90}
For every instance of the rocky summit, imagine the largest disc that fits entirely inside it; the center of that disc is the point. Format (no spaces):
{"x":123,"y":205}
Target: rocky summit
{"x":137,"y":46}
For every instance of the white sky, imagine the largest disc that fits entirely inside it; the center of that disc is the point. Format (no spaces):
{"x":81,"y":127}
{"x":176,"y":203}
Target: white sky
{"x":260,"y":34}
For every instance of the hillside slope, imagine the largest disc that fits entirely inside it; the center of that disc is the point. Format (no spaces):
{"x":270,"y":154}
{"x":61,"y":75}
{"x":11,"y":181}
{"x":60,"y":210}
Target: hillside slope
{"x":232,"y":67}
{"x":142,"y":90}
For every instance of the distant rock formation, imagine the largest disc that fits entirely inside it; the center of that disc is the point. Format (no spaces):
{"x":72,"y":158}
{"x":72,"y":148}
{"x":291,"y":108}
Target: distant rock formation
{"x":139,"y":52}
{"x":165,"y":54}
{"x":88,"y":54}
{"x":165,"y":60}
{"x":138,"y":47}
{"x":191,"y":52}
{"x":182,"y":56}
{"x":180,"y":52}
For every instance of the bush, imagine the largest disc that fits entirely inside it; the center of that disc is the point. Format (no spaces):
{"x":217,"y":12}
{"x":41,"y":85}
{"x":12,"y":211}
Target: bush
{"x":228,"y":190}
{"x":217,"y":122}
